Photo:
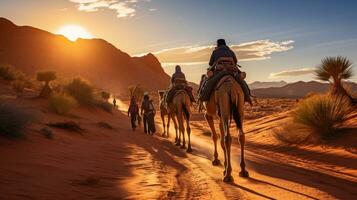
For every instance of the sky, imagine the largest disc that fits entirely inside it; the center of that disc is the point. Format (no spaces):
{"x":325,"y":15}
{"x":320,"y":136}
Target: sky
{"x":274,"y":39}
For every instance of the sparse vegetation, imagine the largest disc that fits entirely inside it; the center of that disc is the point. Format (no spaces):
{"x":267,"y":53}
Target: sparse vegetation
{"x":324,"y":114}
{"x":105,"y":125}
{"x":104,"y":105}
{"x":46,"y":77}
{"x":18,"y":86}
{"x":47,"y":132}
{"x":335,"y":70}
{"x":7,"y":73}
{"x":82,"y":91}
{"x":62,"y":103}
{"x":14,"y":119}
{"x":105,"y":95}
{"x":68,"y":125}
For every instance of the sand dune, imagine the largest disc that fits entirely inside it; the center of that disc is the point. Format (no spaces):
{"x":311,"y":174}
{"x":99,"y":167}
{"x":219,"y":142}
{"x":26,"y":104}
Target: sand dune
{"x":117,"y":163}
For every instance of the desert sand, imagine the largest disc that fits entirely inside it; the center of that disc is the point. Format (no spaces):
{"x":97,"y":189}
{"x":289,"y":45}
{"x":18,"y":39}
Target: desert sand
{"x":102,"y":163}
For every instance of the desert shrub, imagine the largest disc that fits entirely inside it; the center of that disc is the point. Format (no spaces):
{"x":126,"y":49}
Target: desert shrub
{"x":47,"y":132}
{"x":82,"y":91}
{"x":14,"y":119}
{"x":68,"y":125}
{"x":325,"y":114}
{"x":104,"y":105}
{"x":18,"y":86}
{"x":62,"y":103}
{"x":46,"y":77}
{"x":105,"y":95}
{"x":105,"y":125}
{"x":7,"y":73}
{"x":351,"y":91}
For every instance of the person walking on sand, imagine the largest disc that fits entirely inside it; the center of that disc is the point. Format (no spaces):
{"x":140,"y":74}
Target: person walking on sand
{"x":114,"y":102}
{"x":148,"y":113}
{"x":133,"y":112}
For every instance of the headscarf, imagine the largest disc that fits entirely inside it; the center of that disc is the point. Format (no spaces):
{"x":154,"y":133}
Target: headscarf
{"x":177,"y":69}
{"x":221,"y":42}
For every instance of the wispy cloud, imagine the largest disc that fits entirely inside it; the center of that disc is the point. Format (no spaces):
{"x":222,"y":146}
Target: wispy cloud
{"x":293,"y":72}
{"x":256,"y":50}
{"x":123,"y":8}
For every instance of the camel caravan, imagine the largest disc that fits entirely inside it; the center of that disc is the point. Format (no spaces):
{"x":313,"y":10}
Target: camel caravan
{"x":222,"y":93}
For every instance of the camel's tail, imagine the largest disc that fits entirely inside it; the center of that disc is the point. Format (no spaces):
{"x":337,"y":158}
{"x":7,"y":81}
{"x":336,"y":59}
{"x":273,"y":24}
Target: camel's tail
{"x":185,"y":108}
{"x":235,"y":111}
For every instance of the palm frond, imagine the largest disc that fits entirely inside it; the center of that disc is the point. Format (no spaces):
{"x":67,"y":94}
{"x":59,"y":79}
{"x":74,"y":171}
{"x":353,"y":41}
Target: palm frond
{"x":336,"y":68}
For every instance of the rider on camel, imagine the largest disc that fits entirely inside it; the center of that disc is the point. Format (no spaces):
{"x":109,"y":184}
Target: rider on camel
{"x":222,"y":51}
{"x":178,"y":81}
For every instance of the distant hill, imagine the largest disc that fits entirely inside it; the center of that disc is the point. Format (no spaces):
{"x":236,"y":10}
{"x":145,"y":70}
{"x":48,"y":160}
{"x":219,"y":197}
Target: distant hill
{"x":296,"y":90}
{"x":31,"y":50}
{"x":258,"y":84}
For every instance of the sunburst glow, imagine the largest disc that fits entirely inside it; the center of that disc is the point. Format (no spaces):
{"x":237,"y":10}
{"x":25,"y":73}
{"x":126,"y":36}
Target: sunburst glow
{"x":73,"y":32}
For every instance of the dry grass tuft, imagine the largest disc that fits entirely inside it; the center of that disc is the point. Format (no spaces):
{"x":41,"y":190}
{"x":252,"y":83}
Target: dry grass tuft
{"x":69,"y":125}
{"x":324,"y":114}
{"x":82,"y":91}
{"x":14,"y":119}
{"x":105,"y":125}
{"x":62,"y":103}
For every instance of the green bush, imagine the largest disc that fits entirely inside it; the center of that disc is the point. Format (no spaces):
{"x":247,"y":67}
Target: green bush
{"x":7,"y":73}
{"x":325,"y":114}
{"x":82,"y":91}
{"x":61,"y":103}
{"x":14,"y":119}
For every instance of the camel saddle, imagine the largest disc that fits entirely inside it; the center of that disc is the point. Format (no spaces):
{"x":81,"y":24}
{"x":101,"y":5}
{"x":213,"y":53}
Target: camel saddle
{"x":223,"y":67}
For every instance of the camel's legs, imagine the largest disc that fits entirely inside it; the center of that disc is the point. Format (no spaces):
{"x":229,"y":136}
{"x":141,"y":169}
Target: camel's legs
{"x":214,"y":138}
{"x":243,"y":172}
{"x":176,"y":127}
{"x":163,"y":124}
{"x":181,"y":127}
{"x":188,"y":130}
{"x":168,"y":125}
{"x":223,"y":146}
{"x":224,"y":108}
{"x":228,"y":142}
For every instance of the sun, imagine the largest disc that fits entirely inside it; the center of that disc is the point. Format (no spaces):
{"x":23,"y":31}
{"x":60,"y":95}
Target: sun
{"x":73,"y":32}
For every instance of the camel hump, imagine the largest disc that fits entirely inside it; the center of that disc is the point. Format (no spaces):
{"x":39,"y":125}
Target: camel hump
{"x":225,"y":79}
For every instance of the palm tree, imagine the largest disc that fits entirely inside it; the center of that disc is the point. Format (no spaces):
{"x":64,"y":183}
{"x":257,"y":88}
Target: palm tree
{"x":335,"y":70}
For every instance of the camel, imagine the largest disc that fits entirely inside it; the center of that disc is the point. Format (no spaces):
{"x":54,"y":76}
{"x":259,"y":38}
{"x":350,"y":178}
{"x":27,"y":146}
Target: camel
{"x":164,"y":111}
{"x":227,"y":101}
{"x":182,"y":107}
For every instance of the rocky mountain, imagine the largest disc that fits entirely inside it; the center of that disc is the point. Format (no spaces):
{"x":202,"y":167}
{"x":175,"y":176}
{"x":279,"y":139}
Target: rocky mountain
{"x":259,"y":84}
{"x":31,"y":50}
{"x":297,"y":90}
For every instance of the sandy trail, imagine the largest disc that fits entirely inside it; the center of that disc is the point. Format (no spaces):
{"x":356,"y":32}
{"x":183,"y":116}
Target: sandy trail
{"x":121,"y":164}
{"x":278,"y":171}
